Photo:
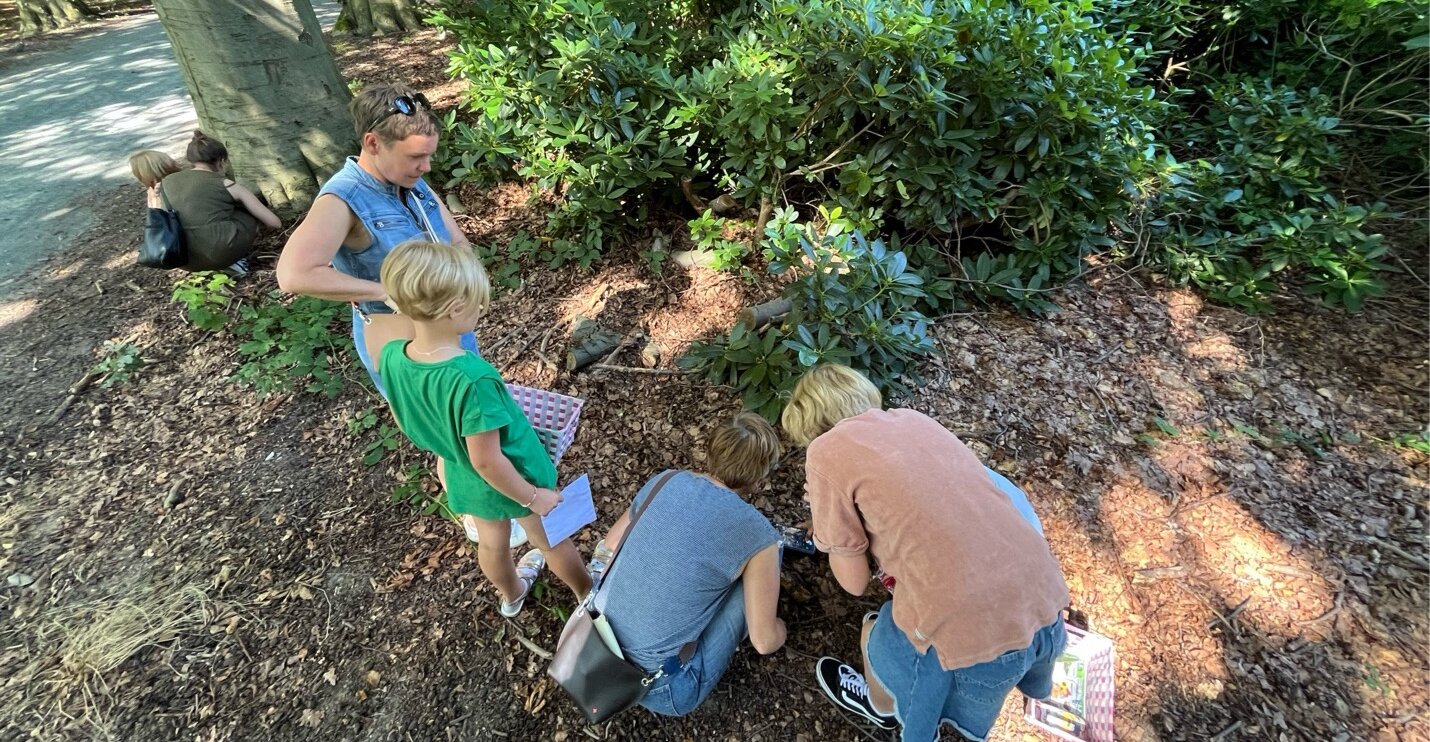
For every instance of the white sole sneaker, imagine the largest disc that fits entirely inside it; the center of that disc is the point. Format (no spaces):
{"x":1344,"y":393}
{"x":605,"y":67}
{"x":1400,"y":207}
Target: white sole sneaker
{"x":526,"y":571}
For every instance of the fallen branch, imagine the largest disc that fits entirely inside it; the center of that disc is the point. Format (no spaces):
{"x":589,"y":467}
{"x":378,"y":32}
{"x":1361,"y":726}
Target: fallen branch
{"x":75,"y":391}
{"x":1223,"y":734}
{"x":636,"y":370}
{"x":626,"y":342}
{"x":591,"y":350}
{"x":763,"y":314}
{"x":1227,"y":619}
{"x":529,"y":644}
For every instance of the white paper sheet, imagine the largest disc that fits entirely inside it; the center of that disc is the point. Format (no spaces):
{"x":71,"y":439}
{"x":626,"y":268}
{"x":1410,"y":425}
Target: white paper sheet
{"x":576,"y":511}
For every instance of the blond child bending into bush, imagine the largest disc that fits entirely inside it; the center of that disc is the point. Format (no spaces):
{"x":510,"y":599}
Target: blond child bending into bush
{"x":451,"y":402}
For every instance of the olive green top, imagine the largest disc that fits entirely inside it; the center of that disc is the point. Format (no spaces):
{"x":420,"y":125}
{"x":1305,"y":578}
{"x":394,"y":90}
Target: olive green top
{"x":217,"y":228}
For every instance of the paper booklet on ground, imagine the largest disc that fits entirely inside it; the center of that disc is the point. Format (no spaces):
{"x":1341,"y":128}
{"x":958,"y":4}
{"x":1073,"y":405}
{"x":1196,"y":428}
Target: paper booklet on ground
{"x":576,"y":511}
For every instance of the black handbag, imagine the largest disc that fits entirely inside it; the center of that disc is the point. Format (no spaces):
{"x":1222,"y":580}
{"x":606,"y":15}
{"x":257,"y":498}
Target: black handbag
{"x":586,"y":665}
{"x":163,"y":245}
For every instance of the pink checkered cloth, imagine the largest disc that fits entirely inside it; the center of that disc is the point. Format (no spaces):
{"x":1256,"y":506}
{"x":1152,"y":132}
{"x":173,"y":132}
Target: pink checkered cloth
{"x":1097,"y":655}
{"x":554,"y":416}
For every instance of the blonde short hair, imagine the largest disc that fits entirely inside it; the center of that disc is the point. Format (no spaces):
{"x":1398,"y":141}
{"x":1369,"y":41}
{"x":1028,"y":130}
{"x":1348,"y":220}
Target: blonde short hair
{"x":742,"y":451}
{"x":150,"y":167}
{"x":825,"y":395}
{"x":428,"y":280}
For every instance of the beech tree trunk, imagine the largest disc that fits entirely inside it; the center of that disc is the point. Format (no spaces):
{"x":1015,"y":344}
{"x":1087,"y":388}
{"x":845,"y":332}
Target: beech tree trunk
{"x":265,"y":85}
{"x":39,"y":16}
{"x":378,"y":17}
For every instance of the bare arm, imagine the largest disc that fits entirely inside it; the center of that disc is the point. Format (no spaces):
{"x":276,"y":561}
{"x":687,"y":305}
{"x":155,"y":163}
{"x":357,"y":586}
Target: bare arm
{"x":852,"y":572}
{"x":254,"y":206}
{"x":762,"y":598}
{"x":484,"y":449}
{"x":305,"y":267}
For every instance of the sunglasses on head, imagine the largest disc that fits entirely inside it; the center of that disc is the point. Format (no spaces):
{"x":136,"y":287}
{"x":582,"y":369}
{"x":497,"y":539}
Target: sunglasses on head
{"x":407,"y":105}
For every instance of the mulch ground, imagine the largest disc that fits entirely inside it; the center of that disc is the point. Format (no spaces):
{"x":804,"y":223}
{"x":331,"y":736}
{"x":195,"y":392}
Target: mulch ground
{"x":187,"y":560}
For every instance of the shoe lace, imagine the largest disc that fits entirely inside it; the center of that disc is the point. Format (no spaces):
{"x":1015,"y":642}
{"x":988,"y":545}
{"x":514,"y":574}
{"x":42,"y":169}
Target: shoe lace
{"x":852,"y":681}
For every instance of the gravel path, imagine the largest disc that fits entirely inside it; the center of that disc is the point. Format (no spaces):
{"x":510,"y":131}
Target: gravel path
{"x":69,"y":117}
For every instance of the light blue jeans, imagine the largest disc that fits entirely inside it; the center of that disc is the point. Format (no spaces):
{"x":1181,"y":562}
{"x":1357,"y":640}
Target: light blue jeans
{"x":683,"y":687}
{"x":969,"y":698}
{"x":469,"y":342}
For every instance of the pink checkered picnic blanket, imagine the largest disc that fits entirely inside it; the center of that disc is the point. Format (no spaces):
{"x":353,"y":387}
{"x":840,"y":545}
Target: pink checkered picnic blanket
{"x":1081,"y":708}
{"x":554,"y":416}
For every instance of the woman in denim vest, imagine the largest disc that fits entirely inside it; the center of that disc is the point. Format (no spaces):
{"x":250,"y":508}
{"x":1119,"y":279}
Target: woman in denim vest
{"x":375,"y":202}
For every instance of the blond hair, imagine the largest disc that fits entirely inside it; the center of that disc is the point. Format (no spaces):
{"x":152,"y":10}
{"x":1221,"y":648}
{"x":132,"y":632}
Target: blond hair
{"x":742,"y":452}
{"x":825,"y":395}
{"x":150,"y":167}
{"x":370,"y":113}
{"x":428,"y":281}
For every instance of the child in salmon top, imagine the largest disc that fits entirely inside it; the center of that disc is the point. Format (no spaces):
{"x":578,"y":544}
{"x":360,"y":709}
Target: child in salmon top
{"x":451,"y":402}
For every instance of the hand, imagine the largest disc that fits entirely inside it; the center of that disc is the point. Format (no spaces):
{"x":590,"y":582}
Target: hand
{"x":155,"y":202}
{"x":545,"y":501}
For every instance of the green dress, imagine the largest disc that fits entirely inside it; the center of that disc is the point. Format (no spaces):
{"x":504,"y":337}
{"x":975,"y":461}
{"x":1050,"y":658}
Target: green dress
{"x":439,"y":404}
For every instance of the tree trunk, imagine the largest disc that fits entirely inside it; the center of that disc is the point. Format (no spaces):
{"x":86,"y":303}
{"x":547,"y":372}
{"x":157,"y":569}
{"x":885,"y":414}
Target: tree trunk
{"x":39,"y":16}
{"x":378,"y":17}
{"x":265,"y":85}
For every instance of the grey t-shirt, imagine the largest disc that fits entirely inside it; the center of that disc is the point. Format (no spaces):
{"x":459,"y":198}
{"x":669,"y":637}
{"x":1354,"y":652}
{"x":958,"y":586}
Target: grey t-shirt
{"x":677,"y":564}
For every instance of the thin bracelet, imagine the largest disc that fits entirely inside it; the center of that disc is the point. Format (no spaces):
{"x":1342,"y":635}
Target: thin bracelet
{"x":533,"y":498}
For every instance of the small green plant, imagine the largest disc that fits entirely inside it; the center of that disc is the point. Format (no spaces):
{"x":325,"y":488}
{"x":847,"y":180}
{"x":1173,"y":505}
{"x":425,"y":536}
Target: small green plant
{"x":118,"y":362}
{"x":412,"y":489}
{"x":852,"y":301}
{"x":1374,"y":681}
{"x":354,"y":85}
{"x":387,"y":441}
{"x":292,"y":345}
{"x":205,"y":297}
{"x":1166,"y":427}
{"x":1419,"y":442}
{"x":1302,"y":441}
{"x":1249,"y":431}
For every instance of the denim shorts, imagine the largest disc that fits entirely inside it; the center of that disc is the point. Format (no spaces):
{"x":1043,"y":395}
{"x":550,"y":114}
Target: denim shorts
{"x":469,"y":342}
{"x":970,"y":698}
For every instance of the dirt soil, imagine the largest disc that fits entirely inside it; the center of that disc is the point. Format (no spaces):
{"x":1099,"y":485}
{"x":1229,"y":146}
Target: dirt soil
{"x":185,"y":560}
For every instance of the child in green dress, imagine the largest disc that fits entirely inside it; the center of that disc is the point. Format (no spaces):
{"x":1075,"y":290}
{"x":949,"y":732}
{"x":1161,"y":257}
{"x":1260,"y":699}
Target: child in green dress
{"x":451,"y":402}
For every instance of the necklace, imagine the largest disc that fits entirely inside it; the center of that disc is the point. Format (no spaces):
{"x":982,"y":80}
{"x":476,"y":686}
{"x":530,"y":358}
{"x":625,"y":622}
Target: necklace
{"x":434,"y":351}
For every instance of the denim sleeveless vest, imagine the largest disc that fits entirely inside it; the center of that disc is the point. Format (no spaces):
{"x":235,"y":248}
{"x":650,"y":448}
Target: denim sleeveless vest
{"x":388,"y":220}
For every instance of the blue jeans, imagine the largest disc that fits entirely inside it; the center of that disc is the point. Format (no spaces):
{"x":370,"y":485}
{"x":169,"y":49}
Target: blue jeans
{"x":469,"y":342}
{"x":683,"y":687}
{"x":970,"y":698}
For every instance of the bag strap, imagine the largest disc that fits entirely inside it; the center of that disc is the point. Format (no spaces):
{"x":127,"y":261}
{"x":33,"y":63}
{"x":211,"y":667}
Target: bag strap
{"x":636,"y":514}
{"x":164,"y":198}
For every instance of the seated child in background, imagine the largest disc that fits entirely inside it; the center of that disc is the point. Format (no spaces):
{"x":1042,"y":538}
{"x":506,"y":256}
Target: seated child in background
{"x":451,"y":402}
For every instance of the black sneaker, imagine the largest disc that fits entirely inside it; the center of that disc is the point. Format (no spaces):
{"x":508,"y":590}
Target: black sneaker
{"x":847,"y":688}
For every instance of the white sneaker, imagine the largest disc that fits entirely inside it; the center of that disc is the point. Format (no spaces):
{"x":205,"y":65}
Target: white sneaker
{"x":518,"y":534}
{"x":240,"y":268}
{"x":526,"y":571}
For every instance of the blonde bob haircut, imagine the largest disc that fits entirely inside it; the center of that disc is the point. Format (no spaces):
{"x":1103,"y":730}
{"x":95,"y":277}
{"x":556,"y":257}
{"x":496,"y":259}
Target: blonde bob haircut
{"x":428,"y":281}
{"x":742,"y":451}
{"x":150,"y":167}
{"x":825,"y":395}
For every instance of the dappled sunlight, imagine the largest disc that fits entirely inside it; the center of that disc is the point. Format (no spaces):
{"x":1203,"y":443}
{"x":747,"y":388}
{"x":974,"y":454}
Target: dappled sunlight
{"x":16,"y":311}
{"x":1199,"y":340}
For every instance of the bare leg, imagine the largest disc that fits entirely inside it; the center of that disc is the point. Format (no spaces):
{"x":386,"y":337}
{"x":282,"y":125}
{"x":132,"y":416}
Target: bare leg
{"x":563,"y":558}
{"x":877,"y":695}
{"x":494,"y":557}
